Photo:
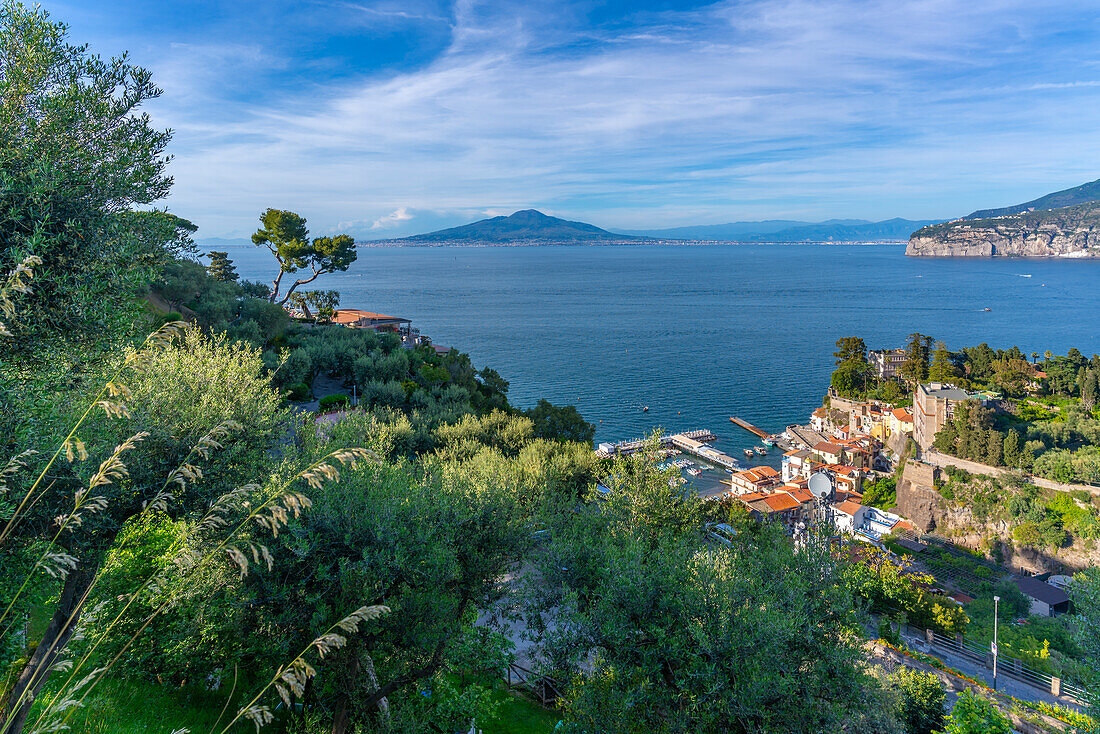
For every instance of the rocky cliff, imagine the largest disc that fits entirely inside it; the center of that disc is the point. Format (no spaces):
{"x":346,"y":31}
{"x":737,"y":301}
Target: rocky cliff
{"x":918,"y":500}
{"x":930,"y":512}
{"x":1072,"y":231}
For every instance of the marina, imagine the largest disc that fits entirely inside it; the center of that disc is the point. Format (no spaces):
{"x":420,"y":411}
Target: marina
{"x":694,"y":443}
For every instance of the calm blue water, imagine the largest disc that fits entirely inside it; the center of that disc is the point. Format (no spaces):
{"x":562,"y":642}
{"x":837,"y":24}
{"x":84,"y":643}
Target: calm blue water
{"x":700,"y":333}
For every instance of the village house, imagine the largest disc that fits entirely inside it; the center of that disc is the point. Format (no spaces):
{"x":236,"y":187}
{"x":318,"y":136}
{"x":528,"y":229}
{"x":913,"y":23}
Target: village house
{"x":789,"y":507}
{"x":359,"y":319}
{"x":355,"y":318}
{"x":857,"y":455}
{"x":848,"y":516}
{"x":846,"y":478}
{"x":796,"y":465}
{"x":754,"y":480}
{"x":819,"y":419}
{"x":828,"y":453}
{"x":869,"y":419}
{"x":900,"y":422}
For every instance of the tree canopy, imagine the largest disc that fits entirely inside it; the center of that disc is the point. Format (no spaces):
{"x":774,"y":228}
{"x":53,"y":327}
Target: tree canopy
{"x":76,"y":156}
{"x":284,"y":233}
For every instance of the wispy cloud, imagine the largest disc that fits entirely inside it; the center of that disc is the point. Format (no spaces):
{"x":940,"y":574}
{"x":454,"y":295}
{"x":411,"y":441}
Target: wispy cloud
{"x":735,"y":110}
{"x":391,"y":12}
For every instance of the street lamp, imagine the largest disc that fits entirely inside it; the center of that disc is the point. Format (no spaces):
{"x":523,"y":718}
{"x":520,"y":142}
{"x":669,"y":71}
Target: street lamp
{"x":996,"y":599}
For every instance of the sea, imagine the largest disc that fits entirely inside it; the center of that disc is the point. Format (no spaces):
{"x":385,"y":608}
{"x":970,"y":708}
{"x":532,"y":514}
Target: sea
{"x":700,"y":333}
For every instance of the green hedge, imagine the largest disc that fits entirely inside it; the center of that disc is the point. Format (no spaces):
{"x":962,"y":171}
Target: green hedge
{"x":332,"y":401}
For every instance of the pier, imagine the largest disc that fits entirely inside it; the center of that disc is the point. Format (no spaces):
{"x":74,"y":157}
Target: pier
{"x":689,"y":442}
{"x":750,"y":428}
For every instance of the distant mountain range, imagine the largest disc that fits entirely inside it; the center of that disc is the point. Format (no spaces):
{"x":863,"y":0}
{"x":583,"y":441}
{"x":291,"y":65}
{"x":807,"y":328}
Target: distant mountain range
{"x":533,"y":227}
{"x":1063,"y":224}
{"x":786,"y":230}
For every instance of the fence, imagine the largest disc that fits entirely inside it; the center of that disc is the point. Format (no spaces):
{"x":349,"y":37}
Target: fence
{"x":1007,"y":666}
{"x":543,"y":687}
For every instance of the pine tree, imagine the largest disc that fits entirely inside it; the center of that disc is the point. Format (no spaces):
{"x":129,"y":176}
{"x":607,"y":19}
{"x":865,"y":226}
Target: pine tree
{"x":943,"y":367}
{"x":994,"y":454}
{"x":221,"y":267}
{"x":1011,"y":452}
{"x":917,"y":351}
{"x":1090,"y":389}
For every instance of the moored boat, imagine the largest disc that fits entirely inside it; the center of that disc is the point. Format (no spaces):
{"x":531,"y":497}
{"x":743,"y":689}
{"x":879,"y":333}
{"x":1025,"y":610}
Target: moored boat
{"x":760,"y":450}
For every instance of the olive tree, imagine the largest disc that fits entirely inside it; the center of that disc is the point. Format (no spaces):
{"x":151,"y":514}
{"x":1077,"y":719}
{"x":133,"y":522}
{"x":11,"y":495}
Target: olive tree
{"x":178,"y":424}
{"x":76,"y":157}
{"x":654,"y":630}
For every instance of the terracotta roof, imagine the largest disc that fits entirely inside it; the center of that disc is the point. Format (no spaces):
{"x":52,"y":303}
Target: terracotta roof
{"x":351,"y":315}
{"x":781,"y":501}
{"x":752,"y":496}
{"x":757,"y":474}
{"x":902,"y":415}
{"x":827,"y":448}
{"x":849,"y":508}
{"x":800,"y":494}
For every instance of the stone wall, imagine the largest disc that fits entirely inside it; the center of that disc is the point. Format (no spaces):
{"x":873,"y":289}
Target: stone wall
{"x":935,"y":457}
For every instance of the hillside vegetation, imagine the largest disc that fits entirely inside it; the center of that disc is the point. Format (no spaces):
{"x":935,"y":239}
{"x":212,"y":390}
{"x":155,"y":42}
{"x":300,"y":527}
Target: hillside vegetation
{"x":186,"y":546}
{"x":1082,"y":194}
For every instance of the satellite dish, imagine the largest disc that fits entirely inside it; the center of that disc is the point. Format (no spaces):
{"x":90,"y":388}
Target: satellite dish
{"x":821,"y":486}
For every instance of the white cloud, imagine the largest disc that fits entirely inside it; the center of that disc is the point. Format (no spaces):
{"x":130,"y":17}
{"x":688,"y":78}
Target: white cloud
{"x":393,"y":219}
{"x":739,"y":110}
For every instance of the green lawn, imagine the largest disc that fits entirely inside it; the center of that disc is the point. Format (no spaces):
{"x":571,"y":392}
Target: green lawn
{"x":132,"y":706}
{"x":517,"y":715}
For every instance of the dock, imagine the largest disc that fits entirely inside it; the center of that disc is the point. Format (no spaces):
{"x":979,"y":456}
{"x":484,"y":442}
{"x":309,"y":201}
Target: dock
{"x":689,"y":442}
{"x":750,"y":428}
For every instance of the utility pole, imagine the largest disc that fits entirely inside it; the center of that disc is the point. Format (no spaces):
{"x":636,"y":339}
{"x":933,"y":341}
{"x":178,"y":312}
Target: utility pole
{"x":996,"y":601}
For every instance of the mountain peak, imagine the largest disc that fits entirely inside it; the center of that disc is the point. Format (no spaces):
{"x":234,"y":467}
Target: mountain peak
{"x":523,"y":226}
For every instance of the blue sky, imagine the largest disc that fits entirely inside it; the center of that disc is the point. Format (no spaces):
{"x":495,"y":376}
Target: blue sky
{"x":388,"y":117}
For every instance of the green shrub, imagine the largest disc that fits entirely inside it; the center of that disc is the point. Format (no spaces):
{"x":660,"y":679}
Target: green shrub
{"x":332,"y":401}
{"x":299,"y":393}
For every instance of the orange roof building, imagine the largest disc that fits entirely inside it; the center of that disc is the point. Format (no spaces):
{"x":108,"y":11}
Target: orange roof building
{"x":755,"y":479}
{"x":359,"y":319}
